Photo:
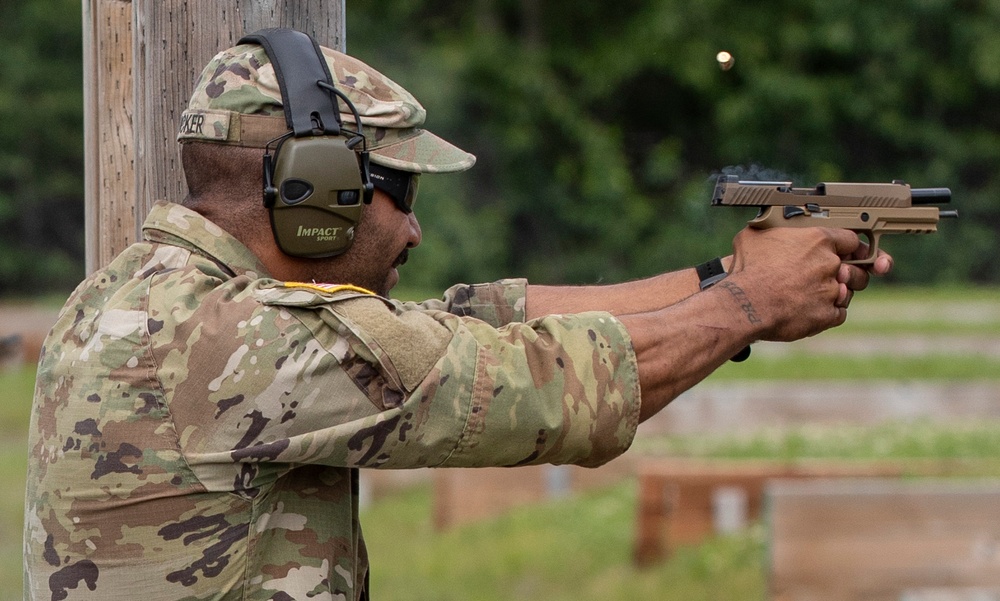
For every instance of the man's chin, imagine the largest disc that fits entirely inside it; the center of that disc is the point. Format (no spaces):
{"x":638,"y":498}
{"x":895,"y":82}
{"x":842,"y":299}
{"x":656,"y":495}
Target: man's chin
{"x":391,"y":279}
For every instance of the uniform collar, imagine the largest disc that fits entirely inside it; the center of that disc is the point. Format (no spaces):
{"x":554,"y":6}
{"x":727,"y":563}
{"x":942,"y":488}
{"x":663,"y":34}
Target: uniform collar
{"x":171,"y":223}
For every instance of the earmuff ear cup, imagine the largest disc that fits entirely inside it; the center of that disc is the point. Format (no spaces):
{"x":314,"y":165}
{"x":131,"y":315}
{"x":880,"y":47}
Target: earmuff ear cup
{"x":316,"y":182}
{"x":319,"y":198}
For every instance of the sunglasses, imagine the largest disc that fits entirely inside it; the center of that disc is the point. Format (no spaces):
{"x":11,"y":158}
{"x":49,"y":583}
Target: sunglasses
{"x":400,"y":186}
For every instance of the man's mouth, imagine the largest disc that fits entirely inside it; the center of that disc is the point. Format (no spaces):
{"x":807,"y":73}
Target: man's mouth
{"x":402,"y":258}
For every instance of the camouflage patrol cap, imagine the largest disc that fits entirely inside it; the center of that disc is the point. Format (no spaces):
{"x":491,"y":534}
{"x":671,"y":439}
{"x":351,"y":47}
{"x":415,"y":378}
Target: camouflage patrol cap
{"x":236,"y":100}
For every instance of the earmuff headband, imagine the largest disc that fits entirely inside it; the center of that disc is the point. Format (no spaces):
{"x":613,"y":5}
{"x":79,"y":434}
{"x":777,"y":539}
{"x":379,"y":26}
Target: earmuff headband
{"x":308,"y":107}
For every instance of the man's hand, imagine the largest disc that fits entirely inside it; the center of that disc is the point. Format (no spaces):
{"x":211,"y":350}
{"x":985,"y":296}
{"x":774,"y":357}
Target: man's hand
{"x":794,"y":279}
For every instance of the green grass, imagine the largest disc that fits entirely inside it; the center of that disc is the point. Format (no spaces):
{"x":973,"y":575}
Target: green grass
{"x":13,"y":453}
{"x":15,"y":408}
{"x":859,"y":324}
{"x":933,"y":311}
{"x":580,"y":549}
{"x":945,"y":293}
{"x":815,"y":367}
{"x":977,"y":442}
{"x":574,"y":550}
{"x":16,"y":389}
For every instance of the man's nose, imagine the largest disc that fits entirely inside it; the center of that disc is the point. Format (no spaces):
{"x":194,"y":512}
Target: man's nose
{"x":416,"y":235}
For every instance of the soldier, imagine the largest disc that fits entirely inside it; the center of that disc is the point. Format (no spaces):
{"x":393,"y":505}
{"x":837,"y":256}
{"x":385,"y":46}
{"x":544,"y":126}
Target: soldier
{"x":204,"y":403}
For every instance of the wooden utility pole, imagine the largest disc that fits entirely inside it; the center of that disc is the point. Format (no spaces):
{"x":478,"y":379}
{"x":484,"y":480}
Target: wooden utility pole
{"x":141,"y":58}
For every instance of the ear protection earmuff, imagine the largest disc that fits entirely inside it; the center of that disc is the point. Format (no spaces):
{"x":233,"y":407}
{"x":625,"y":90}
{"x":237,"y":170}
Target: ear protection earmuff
{"x":317,"y":178}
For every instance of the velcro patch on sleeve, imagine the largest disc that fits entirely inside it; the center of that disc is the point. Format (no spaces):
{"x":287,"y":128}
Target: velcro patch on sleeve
{"x":411,"y":341}
{"x":406,"y":344}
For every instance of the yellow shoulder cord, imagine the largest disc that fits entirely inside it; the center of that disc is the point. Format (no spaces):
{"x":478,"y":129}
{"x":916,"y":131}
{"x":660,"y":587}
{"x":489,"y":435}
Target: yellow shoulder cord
{"x":329,"y":288}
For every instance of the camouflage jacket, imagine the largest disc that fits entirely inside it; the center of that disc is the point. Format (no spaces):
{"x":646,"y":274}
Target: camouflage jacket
{"x":197,"y":426}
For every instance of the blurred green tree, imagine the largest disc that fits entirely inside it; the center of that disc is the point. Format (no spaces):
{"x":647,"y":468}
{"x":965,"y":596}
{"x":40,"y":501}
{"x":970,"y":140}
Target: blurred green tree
{"x":599,"y":127}
{"x":41,"y":147}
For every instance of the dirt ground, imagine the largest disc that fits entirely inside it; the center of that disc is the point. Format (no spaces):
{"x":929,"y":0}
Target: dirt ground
{"x":22,"y":330}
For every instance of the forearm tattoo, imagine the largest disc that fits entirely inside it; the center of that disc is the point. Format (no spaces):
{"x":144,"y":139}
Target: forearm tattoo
{"x":742,"y":298}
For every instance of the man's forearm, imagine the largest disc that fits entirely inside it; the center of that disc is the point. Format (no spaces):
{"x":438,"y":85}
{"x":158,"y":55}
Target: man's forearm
{"x":678,"y":346}
{"x":639,"y":296}
{"x":783,"y":285}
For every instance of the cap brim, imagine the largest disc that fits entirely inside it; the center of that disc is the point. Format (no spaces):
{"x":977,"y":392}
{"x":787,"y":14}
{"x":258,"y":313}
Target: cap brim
{"x":422,"y":153}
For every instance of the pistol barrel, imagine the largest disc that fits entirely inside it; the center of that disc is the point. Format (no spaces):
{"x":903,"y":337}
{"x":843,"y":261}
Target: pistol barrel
{"x":930,"y":196}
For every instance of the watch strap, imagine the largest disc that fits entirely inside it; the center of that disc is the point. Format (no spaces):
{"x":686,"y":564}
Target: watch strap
{"x":710,"y":273}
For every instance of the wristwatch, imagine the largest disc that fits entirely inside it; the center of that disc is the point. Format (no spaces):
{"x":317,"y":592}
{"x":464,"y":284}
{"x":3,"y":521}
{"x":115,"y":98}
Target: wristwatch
{"x":711,"y":273}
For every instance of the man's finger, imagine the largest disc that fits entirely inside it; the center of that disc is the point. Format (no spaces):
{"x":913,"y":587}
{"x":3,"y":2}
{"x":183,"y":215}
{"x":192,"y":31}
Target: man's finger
{"x":853,"y":276}
{"x":883,"y":264}
{"x":845,"y":242}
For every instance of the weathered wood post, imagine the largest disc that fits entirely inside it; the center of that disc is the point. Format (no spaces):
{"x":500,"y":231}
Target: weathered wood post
{"x":140,"y":61}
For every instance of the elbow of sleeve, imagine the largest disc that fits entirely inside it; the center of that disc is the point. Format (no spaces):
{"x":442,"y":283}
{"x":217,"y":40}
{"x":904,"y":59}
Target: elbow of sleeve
{"x":566,"y":391}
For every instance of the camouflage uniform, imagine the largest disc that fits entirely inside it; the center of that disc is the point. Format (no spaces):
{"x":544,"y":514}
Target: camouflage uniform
{"x":198,"y":426}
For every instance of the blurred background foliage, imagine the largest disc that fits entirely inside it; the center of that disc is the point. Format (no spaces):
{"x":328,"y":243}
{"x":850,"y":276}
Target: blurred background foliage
{"x":41,"y":146}
{"x":599,"y":127}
